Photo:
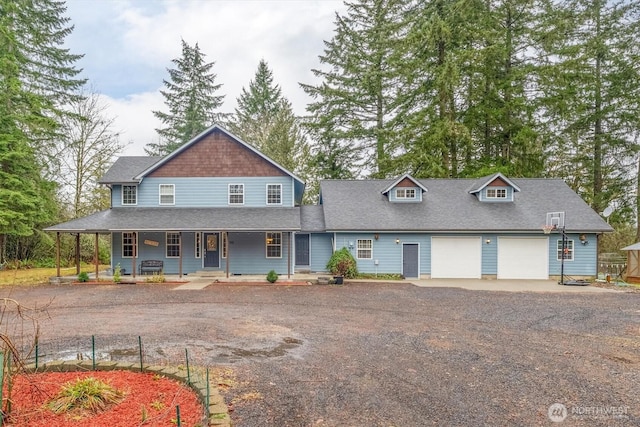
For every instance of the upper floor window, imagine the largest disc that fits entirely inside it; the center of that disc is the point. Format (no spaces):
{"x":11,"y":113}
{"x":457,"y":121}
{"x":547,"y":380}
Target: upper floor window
{"x":568,"y":250}
{"x":236,"y":194}
{"x":274,"y":194}
{"x":405,"y":193}
{"x":173,"y":245}
{"x":129,"y":194}
{"x":167,"y":194}
{"x":365,"y":249}
{"x":129,"y":244}
{"x":274,"y":245}
{"x":496,"y":193}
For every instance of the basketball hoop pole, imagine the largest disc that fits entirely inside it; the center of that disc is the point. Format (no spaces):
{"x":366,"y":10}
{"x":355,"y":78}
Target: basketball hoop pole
{"x":564,"y":246}
{"x":556,"y":220}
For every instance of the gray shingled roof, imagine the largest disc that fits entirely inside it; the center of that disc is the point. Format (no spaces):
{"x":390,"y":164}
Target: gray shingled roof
{"x":125,"y":169}
{"x":185,"y":219}
{"x":312,"y":218}
{"x":351,"y":205}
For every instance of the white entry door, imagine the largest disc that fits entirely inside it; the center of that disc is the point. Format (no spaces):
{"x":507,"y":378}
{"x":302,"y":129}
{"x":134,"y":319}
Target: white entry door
{"x":456,"y":257}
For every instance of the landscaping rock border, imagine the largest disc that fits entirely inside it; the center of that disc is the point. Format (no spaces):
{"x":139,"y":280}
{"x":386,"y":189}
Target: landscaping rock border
{"x":218,"y":410}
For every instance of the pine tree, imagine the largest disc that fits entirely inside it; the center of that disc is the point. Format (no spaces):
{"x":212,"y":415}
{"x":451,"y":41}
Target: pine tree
{"x":354,"y":106}
{"x":265,"y":119}
{"x":191,"y":98}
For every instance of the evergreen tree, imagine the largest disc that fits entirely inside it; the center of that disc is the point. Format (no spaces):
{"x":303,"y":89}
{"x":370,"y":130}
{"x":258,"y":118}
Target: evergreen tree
{"x":191,"y":98}
{"x":592,"y":88}
{"x":265,"y":119}
{"x":354,"y":106}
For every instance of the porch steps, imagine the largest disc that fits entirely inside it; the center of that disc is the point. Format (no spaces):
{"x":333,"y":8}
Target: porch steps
{"x":210,"y":273}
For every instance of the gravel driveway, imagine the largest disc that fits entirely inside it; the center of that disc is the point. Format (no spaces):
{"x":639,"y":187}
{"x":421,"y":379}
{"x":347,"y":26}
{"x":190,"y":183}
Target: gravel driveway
{"x":376,"y":354}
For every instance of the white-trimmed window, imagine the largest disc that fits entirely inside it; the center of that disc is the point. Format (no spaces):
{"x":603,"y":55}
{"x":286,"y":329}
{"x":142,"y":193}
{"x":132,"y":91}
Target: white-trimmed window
{"x":236,"y":194}
{"x":129,"y":244}
{"x":274,"y":245}
{"x":364,"y":249}
{"x":568,"y":250}
{"x":223,"y":241}
{"x":198,"y":248}
{"x":274,"y":194}
{"x":129,"y":195}
{"x":496,"y":193}
{"x":405,"y":193}
{"x":167,"y":194}
{"x":173,"y":245}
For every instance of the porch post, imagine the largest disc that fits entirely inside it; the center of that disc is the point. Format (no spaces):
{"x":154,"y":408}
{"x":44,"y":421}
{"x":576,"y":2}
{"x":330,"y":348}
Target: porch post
{"x":289,"y":257}
{"x":180,"y":259}
{"x":57,"y":254}
{"x":78,"y":253}
{"x":97,"y":260}
{"x":134,"y":237}
{"x":226,"y":248}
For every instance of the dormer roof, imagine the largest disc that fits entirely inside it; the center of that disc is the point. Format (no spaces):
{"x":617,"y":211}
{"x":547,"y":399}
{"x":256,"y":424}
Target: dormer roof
{"x":404,"y":177}
{"x":496,"y":179}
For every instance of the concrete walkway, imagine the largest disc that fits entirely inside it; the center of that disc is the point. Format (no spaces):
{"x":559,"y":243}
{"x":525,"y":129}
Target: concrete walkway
{"x":507,"y":285}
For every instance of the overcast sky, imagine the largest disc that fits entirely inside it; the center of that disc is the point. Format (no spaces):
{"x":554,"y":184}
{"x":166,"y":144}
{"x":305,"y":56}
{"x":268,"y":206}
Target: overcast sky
{"x":128,"y":46}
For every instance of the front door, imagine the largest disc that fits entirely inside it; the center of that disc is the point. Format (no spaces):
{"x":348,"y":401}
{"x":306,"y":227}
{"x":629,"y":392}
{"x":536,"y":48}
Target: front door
{"x":410,"y":264}
{"x":211,"y":250}
{"x":302,"y":249}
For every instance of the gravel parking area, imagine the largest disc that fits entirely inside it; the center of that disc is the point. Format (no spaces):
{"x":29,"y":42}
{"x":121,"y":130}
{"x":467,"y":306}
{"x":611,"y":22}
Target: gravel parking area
{"x":372,"y":354}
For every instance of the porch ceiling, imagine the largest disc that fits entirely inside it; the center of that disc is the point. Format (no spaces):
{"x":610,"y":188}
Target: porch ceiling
{"x":184,"y":219}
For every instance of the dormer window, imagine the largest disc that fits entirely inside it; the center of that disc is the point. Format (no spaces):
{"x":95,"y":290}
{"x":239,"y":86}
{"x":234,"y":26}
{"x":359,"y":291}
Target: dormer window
{"x":405,"y":193}
{"x":496,"y":193}
{"x":129,"y":195}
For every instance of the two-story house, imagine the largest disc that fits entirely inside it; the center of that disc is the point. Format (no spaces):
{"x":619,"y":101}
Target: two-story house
{"x":217,"y":203}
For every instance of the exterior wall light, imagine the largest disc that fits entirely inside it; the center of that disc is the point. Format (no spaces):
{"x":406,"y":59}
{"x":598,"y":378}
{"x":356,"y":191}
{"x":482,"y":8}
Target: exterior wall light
{"x":376,"y":236}
{"x":583,"y":239}
{"x":397,"y":241}
{"x":488,"y":241}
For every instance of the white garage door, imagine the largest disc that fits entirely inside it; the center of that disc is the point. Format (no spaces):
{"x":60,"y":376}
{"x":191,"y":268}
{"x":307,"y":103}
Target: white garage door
{"x":456,"y":257}
{"x":523,"y":258}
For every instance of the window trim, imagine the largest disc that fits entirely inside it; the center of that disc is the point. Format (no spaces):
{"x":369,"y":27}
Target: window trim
{"x":173,"y":194}
{"x":370,"y":248}
{"x":198,"y":245}
{"x":134,"y":244}
{"x":570,"y":248}
{"x":166,"y":244}
{"x":497,"y":191}
{"x":240,"y":185}
{"x":267,"y":244}
{"x":404,"y":191}
{"x":279,"y":195}
{"x":122,"y":195}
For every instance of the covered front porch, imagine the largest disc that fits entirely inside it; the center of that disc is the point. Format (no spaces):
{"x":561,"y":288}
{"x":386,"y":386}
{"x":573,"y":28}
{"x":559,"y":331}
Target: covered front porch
{"x":236,"y":241}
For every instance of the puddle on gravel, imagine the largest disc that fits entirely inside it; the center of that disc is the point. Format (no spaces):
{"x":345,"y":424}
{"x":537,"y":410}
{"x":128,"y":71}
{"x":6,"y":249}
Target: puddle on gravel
{"x":279,"y":350}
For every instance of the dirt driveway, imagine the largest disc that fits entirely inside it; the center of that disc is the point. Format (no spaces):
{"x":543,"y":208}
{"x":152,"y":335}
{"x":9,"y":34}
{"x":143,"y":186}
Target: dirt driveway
{"x":375,"y":354}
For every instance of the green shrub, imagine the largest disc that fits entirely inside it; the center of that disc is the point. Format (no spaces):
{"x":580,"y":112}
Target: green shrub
{"x":156,"y":278}
{"x":89,"y":394}
{"x":117,"y":274}
{"x":83,"y":277}
{"x":272,"y":276}
{"x":342,"y":263}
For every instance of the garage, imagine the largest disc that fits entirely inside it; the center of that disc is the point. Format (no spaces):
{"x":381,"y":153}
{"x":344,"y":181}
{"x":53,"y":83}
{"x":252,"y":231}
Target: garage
{"x":456,"y":257}
{"x":523,"y":258}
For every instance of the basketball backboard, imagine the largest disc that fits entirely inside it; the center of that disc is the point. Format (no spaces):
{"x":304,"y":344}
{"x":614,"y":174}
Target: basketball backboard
{"x":555,"y":219}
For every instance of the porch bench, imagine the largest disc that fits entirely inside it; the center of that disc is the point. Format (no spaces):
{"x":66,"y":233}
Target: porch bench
{"x":151,"y":265}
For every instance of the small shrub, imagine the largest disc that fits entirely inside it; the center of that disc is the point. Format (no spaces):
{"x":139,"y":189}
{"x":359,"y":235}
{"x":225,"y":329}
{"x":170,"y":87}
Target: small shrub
{"x":88,"y":394}
{"x":156,"y":278}
{"x":272,"y":276}
{"x":342,"y":263}
{"x":83,"y":277}
{"x":117,"y":274}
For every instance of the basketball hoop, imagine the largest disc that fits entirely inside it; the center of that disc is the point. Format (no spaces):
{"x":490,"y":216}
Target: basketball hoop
{"x":546,"y":229}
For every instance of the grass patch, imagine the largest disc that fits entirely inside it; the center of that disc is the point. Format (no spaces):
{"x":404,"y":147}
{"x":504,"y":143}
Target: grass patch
{"x":380,"y":276}
{"x":36,"y":276}
{"x":85,"y":395}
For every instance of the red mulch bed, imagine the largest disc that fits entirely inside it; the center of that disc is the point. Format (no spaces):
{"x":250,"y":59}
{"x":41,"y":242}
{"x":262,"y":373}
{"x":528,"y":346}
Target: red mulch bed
{"x":158,"y":395}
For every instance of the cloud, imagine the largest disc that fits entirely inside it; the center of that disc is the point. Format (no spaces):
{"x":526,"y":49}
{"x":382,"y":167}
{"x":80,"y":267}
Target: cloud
{"x":128,"y":46}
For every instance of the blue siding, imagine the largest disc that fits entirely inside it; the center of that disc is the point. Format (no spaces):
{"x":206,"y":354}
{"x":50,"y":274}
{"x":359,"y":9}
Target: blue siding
{"x":483,"y":195}
{"x":393,"y":198}
{"x":585,"y":257}
{"x":320,"y":251}
{"x":208,"y":192}
{"x":247,"y":255}
{"x":489,"y":254}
